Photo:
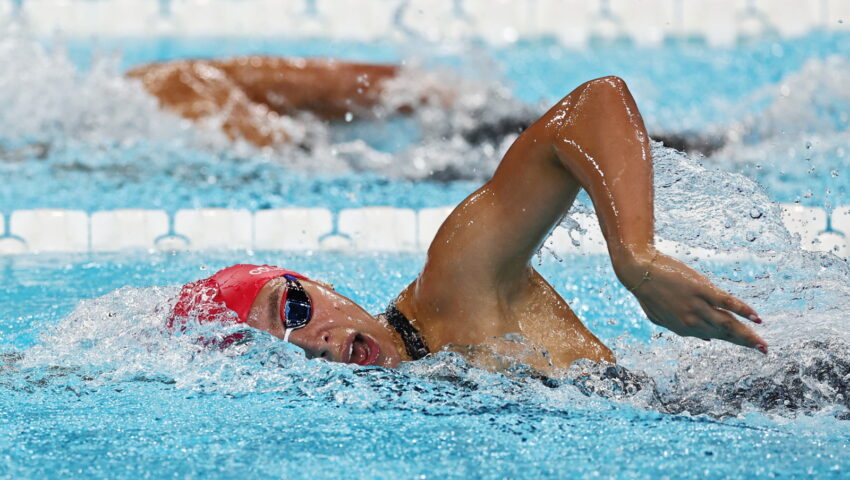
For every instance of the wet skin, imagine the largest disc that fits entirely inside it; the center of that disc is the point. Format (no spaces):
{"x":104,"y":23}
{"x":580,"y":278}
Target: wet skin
{"x":248,"y":95}
{"x":339,"y":330}
{"x":477,"y":284}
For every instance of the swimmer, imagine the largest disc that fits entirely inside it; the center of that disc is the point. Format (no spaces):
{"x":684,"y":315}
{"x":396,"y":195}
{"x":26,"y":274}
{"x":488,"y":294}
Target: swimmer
{"x":478,"y":285}
{"x":249,"y":94}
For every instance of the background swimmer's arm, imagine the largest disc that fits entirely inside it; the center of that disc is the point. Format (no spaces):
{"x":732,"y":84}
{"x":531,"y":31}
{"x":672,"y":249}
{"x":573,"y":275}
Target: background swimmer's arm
{"x":593,"y":139}
{"x":247,"y":95}
{"x":200,"y":91}
{"x":327,"y":88}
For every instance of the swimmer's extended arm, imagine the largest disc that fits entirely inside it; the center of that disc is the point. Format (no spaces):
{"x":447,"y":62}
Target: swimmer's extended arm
{"x":593,"y":139}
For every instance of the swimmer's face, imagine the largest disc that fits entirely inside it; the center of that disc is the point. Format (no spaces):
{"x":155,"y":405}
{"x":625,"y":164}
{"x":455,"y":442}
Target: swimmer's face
{"x":339,"y":331}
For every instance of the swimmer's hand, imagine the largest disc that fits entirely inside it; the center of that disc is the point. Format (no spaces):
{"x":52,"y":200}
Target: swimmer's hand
{"x":680,"y":299}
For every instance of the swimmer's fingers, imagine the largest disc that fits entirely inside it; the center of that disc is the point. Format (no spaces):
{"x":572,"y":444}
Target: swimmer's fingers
{"x":726,"y":301}
{"x":723,"y":326}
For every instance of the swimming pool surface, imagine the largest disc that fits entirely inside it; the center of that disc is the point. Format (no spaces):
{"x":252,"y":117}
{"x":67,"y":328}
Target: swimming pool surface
{"x":108,"y":394}
{"x":91,"y":386}
{"x":72,"y":124}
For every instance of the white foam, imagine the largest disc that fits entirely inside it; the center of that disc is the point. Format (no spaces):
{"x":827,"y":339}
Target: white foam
{"x":48,"y":100}
{"x":809,"y":100}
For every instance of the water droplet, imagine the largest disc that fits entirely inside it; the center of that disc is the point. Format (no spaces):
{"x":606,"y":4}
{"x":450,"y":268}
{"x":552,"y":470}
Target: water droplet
{"x":808,"y":145}
{"x":808,"y":194}
{"x":349,"y":116}
{"x":834,"y":173}
{"x":751,"y":236}
{"x":755,"y":212}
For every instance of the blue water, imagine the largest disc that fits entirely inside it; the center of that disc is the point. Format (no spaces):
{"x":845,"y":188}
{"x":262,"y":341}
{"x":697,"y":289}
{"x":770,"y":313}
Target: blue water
{"x":91,"y":386}
{"x":684,"y":85}
{"x":796,"y":151}
{"x":121,"y":410}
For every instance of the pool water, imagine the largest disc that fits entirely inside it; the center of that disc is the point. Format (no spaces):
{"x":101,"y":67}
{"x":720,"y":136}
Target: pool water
{"x":72,"y":124}
{"x":95,"y":388}
{"x":91,"y":386}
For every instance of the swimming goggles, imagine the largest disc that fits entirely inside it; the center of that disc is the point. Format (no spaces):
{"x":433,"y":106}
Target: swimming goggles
{"x":296,"y":309}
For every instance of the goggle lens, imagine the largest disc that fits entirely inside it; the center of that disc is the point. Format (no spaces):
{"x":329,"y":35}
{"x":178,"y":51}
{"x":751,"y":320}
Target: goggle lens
{"x":297,"y":308}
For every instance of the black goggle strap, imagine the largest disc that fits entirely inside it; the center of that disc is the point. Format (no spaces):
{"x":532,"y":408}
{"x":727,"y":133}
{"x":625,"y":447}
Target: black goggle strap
{"x":296,"y":307}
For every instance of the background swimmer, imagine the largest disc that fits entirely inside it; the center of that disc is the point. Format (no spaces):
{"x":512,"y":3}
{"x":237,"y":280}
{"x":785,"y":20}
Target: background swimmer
{"x":251,"y":93}
{"x":477,"y":283}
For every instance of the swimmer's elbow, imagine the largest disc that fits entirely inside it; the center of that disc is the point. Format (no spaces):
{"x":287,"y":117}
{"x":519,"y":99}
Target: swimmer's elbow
{"x":606,"y":95}
{"x":595,"y":106}
{"x":609,"y":85}
{"x":593,"y":100}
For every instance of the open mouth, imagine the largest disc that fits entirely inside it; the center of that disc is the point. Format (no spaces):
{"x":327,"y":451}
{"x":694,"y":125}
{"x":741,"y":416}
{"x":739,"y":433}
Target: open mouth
{"x":363,"y":350}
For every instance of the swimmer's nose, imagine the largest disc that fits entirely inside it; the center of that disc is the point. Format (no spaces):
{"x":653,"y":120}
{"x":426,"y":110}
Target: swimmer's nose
{"x":317,"y":346}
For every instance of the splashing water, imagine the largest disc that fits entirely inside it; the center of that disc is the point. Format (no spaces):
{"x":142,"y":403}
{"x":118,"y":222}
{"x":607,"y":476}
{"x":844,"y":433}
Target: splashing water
{"x":803,"y":296}
{"x":50,"y":102}
{"x":113,"y":350}
{"x":794,"y":133}
{"x":107,"y":124}
{"x":813,"y":100}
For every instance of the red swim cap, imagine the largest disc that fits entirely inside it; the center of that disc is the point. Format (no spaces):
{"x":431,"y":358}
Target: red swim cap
{"x":230,"y":290}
